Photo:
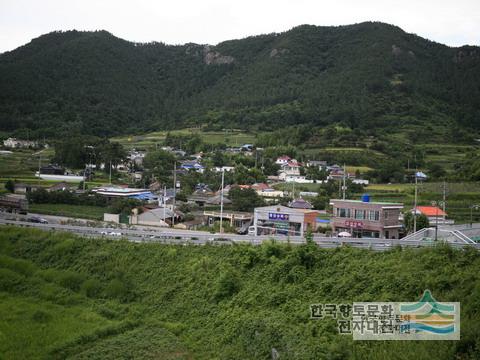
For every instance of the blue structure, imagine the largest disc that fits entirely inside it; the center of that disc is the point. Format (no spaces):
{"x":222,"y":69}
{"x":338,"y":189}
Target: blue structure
{"x":366,"y":198}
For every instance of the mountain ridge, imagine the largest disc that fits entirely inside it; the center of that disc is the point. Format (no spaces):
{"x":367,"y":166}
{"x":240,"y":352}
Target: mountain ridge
{"x":364,"y":75}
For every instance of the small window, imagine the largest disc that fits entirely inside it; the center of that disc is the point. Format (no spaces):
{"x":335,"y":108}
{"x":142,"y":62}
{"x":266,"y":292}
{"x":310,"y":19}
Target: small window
{"x":360,"y":214}
{"x":373,"y":215}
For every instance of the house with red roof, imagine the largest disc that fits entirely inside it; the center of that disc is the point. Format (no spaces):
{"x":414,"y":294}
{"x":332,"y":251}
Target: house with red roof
{"x":433,"y":213}
{"x":283,"y":160}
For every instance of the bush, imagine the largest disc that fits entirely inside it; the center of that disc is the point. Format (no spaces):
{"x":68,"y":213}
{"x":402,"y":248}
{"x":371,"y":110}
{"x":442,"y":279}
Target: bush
{"x":70,"y":280}
{"x":228,"y":284}
{"x":23,"y":267}
{"x":117,"y":289}
{"x":41,"y":316}
{"x":10,"y":185}
{"x":91,"y":288}
{"x":9,"y":280}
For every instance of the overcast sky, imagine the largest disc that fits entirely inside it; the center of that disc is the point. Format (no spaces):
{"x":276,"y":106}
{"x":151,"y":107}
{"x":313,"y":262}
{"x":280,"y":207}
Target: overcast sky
{"x":449,"y":22}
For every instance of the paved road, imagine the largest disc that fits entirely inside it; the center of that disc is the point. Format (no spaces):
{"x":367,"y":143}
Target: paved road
{"x":181,"y":237}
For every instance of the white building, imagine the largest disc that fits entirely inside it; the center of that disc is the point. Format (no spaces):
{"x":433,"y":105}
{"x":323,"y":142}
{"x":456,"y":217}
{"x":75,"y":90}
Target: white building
{"x":17,"y":144}
{"x":282,"y":220}
{"x":290,"y":170}
{"x":360,"y":182}
{"x":224,"y":168}
{"x":154,"y":217}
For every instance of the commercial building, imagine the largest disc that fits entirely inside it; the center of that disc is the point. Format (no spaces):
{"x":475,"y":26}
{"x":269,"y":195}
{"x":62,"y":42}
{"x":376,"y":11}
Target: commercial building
{"x":366,"y":219}
{"x":283,"y":220}
{"x":234,"y":218}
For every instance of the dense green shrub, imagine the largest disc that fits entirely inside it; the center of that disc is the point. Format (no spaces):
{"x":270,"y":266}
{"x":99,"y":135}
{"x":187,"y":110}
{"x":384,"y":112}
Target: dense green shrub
{"x":91,"y":288}
{"x":9,"y":280}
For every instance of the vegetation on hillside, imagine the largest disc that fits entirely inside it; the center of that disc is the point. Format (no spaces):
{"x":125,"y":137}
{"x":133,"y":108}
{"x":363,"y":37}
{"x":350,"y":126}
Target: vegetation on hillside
{"x":64,"y":296}
{"x":367,"y":77}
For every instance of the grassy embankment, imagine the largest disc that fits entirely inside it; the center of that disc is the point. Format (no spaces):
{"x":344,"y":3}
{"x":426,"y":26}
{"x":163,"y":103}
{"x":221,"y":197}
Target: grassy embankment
{"x":63,"y":296}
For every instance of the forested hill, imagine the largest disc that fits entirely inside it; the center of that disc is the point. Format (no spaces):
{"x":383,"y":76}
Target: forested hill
{"x":368,"y":75}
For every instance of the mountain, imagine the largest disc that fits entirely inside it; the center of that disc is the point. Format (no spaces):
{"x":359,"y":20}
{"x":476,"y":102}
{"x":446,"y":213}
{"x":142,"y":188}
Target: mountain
{"x":365,"y":76}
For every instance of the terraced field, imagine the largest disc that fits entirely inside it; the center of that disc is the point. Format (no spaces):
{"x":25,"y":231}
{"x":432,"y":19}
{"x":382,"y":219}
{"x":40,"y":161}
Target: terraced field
{"x":150,"y":140}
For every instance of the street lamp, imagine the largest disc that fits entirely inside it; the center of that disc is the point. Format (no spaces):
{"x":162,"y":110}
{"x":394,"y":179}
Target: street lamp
{"x":435,"y":203}
{"x":472,"y":207}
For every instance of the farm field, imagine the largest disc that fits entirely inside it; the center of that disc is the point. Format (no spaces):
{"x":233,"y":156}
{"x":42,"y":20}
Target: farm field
{"x":150,"y":140}
{"x":22,"y":163}
{"x":80,"y":211}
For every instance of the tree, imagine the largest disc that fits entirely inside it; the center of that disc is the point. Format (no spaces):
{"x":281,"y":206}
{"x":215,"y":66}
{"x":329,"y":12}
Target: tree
{"x":10,"y":185}
{"x":408,"y":221}
{"x":320,"y":202}
{"x":244,"y":199}
{"x":123,"y":206}
{"x":388,"y":171}
{"x":436,"y":171}
{"x":160,"y":163}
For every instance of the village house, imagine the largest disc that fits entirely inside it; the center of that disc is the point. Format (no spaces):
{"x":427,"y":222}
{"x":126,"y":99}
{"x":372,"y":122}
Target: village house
{"x":18,"y":144}
{"x":434,"y":214}
{"x":283,"y":160}
{"x":192,"y":165}
{"x":290,"y":170}
{"x":159,"y":216}
{"x":300,"y":204}
{"x":320,"y":164}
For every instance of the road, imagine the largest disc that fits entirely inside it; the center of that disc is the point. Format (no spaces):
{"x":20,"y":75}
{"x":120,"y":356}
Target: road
{"x":183,"y":237}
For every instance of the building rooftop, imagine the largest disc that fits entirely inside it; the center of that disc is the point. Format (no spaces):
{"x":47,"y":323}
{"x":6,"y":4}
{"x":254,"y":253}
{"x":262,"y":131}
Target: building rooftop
{"x":300,"y":204}
{"x":283,"y":209}
{"x":431,"y":211}
{"x":369,"y":202}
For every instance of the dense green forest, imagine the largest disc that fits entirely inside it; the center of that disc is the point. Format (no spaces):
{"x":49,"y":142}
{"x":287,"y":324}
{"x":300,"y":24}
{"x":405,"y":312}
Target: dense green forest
{"x":67,"y":297}
{"x":368,"y":77}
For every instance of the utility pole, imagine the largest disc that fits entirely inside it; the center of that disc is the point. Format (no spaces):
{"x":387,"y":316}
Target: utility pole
{"x":415,"y":205}
{"x":164,"y":203}
{"x":39,"y":164}
{"x":444,"y":199}
{"x":472,"y":207}
{"x":344,"y":187}
{"x":221,"y":202}
{"x":436,"y":204}
{"x":174,"y":191}
{"x":110,"y":177}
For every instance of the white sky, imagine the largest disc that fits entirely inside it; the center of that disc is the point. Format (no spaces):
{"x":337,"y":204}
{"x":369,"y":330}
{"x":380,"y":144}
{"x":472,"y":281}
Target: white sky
{"x":449,"y":22}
